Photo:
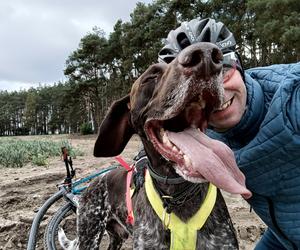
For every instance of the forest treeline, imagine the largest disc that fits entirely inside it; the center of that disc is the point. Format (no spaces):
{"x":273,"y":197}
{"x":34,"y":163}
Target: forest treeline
{"x":103,"y":68}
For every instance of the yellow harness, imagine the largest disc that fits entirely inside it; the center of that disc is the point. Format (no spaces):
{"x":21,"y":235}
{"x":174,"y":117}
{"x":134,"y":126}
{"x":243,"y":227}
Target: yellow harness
{"x":183,"y":235}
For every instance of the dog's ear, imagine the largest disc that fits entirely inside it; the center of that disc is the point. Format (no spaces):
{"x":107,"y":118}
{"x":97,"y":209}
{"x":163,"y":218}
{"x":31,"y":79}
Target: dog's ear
{"x":115,"y":130}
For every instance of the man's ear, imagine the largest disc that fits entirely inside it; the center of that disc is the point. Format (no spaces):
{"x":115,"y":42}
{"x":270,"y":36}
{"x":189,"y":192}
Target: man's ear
{"x":115,"y":130}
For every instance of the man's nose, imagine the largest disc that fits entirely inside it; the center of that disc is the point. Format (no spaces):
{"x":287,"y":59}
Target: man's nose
{"x":203,"y":59}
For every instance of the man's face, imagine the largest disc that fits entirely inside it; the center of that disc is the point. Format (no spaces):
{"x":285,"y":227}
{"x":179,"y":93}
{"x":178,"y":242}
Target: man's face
{"x":234,"y":104}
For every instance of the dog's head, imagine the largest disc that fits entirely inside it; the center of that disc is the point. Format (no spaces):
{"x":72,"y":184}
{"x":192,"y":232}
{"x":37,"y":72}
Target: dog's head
{"x":168,"y":107}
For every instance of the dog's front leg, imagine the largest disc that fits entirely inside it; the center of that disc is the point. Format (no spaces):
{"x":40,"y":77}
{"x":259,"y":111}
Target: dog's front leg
{"x":93,"y":214}
{"x":148,"y":231}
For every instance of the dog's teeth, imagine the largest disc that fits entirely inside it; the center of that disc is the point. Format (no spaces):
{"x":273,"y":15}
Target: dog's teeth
{"x":187,"y":161}
{"x":169,"y":144}
{"x":166,"y":140}
{"x":162,"y":132}
{"x":175,"y":149}
{"x":165,"y":158}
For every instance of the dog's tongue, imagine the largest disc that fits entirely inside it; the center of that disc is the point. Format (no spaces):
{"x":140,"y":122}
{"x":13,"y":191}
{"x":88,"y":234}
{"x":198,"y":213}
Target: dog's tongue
{"x":210,"y":159}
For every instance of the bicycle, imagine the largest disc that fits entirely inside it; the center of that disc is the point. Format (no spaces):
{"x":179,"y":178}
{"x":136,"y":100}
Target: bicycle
{"x":69,"y":190}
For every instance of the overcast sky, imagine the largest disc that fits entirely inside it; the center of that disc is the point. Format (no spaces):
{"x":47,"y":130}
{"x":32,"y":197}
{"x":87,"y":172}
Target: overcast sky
{"x":37,"y":36}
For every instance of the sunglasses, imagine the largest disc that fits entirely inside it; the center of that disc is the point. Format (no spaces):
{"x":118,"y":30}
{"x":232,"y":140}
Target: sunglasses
{"x":229,"y":66}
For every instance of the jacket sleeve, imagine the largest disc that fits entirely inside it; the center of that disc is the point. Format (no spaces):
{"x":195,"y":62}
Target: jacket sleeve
{"x":291,"y":98}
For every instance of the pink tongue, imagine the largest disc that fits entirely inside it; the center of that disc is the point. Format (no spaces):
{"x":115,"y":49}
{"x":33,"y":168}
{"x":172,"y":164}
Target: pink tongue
{"x":211,"y":159}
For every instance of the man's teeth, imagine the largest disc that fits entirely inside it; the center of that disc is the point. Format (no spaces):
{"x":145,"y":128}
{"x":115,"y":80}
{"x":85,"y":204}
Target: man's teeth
{"x":225,"y":105}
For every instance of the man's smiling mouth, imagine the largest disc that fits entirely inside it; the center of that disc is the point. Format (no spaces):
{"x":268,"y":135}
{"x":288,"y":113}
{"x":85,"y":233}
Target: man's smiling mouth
{"x":225,"y":105}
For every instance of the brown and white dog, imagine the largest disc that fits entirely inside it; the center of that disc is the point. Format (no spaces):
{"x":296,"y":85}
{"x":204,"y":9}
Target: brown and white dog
{"x":168,"y":107}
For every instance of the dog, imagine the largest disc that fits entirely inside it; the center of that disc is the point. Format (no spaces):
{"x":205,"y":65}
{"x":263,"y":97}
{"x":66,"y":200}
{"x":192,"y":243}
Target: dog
{"x":168,"y":107}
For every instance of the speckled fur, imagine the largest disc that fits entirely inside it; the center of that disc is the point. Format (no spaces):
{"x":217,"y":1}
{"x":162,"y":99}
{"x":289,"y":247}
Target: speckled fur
{"x":99,"y":210}
{"x":102,"y":205}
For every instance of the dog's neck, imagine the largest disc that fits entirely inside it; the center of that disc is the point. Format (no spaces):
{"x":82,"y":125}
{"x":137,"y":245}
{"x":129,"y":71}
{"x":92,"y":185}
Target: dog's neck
{"x":165,"y":169}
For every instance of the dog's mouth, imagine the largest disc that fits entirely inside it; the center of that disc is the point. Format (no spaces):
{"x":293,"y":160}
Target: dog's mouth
{"x":181,"y":139}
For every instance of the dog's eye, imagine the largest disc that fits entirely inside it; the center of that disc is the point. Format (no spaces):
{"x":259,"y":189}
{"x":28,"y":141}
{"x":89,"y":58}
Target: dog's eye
{"x":149,"y":78}
{"x":153,"y":73}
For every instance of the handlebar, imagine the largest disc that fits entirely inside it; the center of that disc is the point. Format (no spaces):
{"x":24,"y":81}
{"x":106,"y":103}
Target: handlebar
{"x":69,"y":165}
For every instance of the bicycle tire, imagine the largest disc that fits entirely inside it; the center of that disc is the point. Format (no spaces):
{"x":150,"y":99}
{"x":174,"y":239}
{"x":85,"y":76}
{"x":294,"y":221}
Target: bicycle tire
{"x":51,"y":231}
{"x":39,"y":217}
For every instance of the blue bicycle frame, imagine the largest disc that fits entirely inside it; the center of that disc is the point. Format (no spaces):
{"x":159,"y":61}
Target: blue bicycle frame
{"x":77,"y":190}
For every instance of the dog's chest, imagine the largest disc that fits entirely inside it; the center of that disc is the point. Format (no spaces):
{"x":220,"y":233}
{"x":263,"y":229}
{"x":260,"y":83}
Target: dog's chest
{"x":149,"y":232}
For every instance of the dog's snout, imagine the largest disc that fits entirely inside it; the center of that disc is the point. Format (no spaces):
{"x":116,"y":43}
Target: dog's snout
{"x":205,"y":58}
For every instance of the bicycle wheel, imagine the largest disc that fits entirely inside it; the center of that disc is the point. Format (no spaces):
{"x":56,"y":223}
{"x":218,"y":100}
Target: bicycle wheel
{"x":65,"y":217}
{"x":31,"y":245}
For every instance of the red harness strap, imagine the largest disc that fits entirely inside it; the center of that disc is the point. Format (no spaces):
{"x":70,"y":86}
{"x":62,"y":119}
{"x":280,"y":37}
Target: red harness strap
{"x":130,"y":217}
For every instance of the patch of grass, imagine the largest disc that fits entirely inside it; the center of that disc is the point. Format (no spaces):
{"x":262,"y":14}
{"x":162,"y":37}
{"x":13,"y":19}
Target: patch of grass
{"x":16,"y":153}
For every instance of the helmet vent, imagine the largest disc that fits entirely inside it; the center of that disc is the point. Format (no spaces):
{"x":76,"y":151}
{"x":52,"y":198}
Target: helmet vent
{"x":224,"y":33}
{"x":169,"y":59}
{"x":167,"y":55}
{"x":183,"y":40}
{"x":206,"y":36}
{"x":201,"y":26}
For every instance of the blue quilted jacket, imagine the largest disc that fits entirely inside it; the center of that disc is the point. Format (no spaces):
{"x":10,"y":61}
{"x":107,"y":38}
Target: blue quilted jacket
{"x":266,"y":144}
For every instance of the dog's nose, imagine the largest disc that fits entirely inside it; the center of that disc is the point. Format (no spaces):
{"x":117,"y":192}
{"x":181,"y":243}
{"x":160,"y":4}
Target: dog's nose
{"x":202,"y":58}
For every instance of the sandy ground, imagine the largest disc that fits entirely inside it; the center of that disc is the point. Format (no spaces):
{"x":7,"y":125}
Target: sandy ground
{"x":24,"y":190}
